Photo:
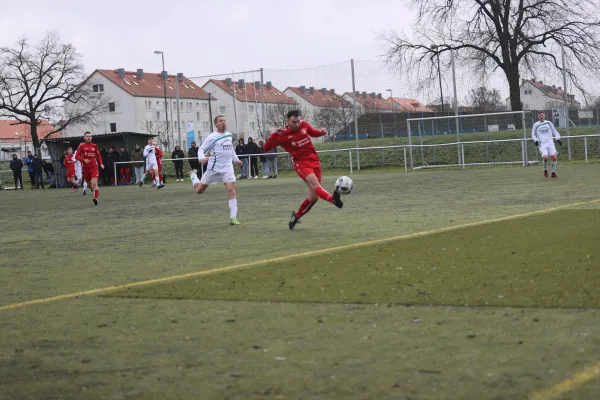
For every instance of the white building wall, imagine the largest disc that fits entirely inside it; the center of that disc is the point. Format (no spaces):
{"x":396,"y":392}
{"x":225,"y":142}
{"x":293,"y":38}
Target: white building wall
{"x":123,"y":116}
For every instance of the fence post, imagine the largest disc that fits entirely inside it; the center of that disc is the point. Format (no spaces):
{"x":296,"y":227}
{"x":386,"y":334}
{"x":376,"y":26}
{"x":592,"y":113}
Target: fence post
{"x":405,"y":161}
{"x":585,"y":148}
{"x":412,"y":165}
{"x":350,"y":154}
{"x":462,"y":151}
{"x":525,"y":157}
{"x":115,"y":170}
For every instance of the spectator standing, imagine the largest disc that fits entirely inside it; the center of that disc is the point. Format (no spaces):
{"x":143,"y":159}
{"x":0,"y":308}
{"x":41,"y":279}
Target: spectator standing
{"x":38,"y":169}
{"x":263,"y":159}
{"x":104,"y":173}
{"x":240,"y":151}
{"x":16,"y":166}
{"x":252,"y":148}
{"x":111,"y":159}
{"x":49,"y":170}
{"x":125,"y":169}
{"x":138,"y":167}
{"x":29,"y":163}
{"x":178,"y":157}
{"x":193,"y":159}
{"x":271,"y":157}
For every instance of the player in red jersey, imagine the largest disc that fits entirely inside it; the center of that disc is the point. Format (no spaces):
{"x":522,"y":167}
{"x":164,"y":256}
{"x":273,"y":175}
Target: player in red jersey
{"x":159,"y":156}
{"x":295,"y":139}
{"x":69,"y":164}
{"x":88,"y":153}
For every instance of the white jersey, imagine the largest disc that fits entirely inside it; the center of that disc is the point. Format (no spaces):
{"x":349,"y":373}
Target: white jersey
{"x":77,"y":164}
{"x":543,"y":131}
{"x":222,"y":153}
{"x":150,"y":154}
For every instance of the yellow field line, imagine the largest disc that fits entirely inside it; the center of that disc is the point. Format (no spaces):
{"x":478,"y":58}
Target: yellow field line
{"x":567,"y":385}
{"x":288,"y":257}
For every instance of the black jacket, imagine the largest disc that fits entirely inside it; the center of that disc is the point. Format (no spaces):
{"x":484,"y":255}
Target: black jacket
{"x":111,"y":159}
{"x":179,"y":154}
{"x":37,"y":166}
{"x":252,"y":148}
{"x":124,"y":156}
{"x":240,"y":150}
{"x":193,"y":152}
{"x":16,"y":165}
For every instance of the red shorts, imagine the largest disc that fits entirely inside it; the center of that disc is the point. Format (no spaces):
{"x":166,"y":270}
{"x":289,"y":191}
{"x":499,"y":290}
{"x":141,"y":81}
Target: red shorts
{"x":304,"y":171}
{"x":71,"y":173}
{"x":90,"y":173}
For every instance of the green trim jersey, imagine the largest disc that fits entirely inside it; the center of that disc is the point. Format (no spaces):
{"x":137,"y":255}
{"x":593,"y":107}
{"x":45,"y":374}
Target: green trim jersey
{"x":222,"y":152}
{"x":542,"y":132}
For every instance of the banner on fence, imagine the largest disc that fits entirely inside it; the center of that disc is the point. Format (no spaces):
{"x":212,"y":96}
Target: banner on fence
{"x":190,"y":134}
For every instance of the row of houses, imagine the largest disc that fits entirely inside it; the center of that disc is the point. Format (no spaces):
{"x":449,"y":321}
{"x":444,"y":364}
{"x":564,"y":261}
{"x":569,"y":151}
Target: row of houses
{"x":137,"y":104}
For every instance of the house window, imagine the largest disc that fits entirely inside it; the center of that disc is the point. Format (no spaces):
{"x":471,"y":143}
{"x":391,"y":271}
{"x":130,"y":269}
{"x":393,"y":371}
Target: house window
{"x":197,"y":116}
{"x":111,"y":107}
{"x":98,"y":88}
{"x":251,"y":108}
{"x":222,"y":110}
{"x":158,"y":115}
{"x":252,"y":125}
{"x":190,"y":106}
{"x":113,"y":127}
{"x":204,"y":106}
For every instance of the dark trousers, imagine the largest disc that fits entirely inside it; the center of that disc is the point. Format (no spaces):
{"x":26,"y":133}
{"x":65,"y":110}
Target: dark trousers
{"x":179,"y":170}
{"x":18,"y":177}
{"x":253,"y":166}
{"x":195,"y":164}
{"x":32,"y":178}
{"x":39,"y":179}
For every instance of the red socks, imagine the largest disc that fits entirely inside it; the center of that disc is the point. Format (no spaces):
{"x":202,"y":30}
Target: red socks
{"x":96,"y":193}
{"x":323,"y":194}
{"x":304,"y":208}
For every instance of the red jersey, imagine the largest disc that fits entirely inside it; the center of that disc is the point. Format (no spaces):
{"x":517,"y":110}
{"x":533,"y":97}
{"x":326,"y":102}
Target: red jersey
{"x":159,"y":155}
{"x":69,"y":162}
{"x":88,"y":151}
{"x":298,"y":144}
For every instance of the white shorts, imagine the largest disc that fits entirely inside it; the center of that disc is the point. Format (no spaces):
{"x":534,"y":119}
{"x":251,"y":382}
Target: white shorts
{"x":547,"y":149}
{"x":211,"y":177}
{"x":151,"y":166}
{"x":78,"y":174}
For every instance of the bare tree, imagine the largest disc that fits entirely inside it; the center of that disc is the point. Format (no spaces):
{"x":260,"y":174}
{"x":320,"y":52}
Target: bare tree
{"x":158,"y":129}
{"x":45,"y":83}
{"x":334,"y":118}
{"x":277,"y":113}
{"x":484,"y":100}
{"x":513,"y":36}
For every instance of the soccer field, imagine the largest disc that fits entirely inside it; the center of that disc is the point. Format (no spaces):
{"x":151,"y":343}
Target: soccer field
{"x":446,"y":284}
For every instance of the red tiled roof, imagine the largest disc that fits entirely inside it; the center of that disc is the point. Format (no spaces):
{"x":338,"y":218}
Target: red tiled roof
{"x":8,"y":127}
{"x":410,"y":105}
{"x":372,"y":103}
{"x":252,"y":93}
{"x":152,"y":85}
{"x":553,"y":92}
{"x":318,"y":99}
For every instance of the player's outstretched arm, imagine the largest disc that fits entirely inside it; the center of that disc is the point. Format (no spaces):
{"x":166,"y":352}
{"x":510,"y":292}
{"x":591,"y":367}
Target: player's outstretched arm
{"x":312,"y":131}
{"x":273,"y":140}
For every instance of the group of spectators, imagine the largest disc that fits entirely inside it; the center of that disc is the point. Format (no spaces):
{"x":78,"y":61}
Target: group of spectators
{"x":250,"y":153}
{"x":36,"y":168}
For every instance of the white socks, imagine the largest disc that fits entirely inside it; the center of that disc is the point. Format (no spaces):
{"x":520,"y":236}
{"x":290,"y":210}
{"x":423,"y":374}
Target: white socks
{"x":85,"y":185}
{"x":233,"y":208}
{"x":545,"y":165}
{"x":194,"y":179}
{"x":554,"y":164}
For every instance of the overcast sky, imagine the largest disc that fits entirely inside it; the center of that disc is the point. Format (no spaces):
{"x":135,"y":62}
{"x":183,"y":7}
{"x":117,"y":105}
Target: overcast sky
{"x":204,"y":37}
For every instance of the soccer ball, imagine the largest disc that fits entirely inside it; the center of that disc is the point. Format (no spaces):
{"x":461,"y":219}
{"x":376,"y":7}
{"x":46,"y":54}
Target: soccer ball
{"x":344,"y":185}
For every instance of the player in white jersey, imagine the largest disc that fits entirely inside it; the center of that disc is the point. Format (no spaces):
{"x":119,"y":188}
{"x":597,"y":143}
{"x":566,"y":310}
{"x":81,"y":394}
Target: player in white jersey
{"x":151,"y":163}
{"x":543,"y":134}
{"x":79,"y":172}
{"x":219,"y":165}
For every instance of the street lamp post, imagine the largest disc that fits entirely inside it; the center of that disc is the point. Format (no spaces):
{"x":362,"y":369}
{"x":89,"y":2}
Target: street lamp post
{"x":393,"y":111}
{"x":164,"y":76}
{"x":20,"y":150}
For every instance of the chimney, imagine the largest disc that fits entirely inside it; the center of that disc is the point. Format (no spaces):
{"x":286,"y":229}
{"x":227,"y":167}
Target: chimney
{"x":140,"y":73}
{"x":323,"y":91}
{"x":559,"y":88}
{"x":228,"y":82}
{"x":241,"y":83}
{"x":311,"y":90}
{"x":553,"y":87}
{"x":121,"y":72}
{"x":356,"y":94}
{"x":269,"y":85}
{"x":541,"y":83}
{"x":303,"y":89}
{"x":373,"y":94}
{"x":332,"y":92}
{"x":256,"y":85}
{"x":379,"y":95}
{"x":364,"y":94}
